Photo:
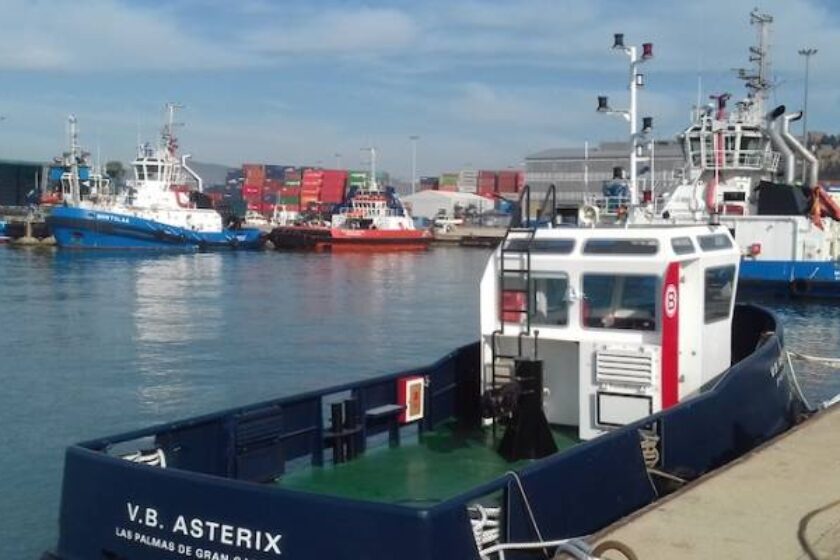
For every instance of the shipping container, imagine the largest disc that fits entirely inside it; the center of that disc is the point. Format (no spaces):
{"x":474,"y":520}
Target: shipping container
{"x":507,"y":181}
{"x":429,"y":182}
{"x":251,"y":190}
{"x":292,"y":174}
{"x":520,"y":180}
{"x":334,"y":186}
{"x":487,"y":183}
{"x":468,"y":180}
{"x":276,"y":172}
{"x":449,"y":188}
{"x":254,"y":173}
{"x":449,"y":180}
{"x":273,"y":185}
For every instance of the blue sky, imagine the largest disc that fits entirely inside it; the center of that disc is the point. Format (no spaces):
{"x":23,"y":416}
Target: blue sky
{"x":483,"y":83}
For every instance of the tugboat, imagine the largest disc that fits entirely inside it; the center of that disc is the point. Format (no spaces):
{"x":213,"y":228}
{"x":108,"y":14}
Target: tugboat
{"x":741,"y":168}
{"x":370,"y":219}
{"x":612,"y":364}
{"x":156,"y":213}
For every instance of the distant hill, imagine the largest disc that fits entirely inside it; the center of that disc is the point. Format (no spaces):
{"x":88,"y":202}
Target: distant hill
{"x":213,"y":174}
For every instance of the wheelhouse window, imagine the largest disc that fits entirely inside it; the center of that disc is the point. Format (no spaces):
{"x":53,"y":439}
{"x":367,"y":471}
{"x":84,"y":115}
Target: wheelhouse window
{"x":621,"y":247}
{"x":557,"y":246}
{"x":719,"y":288}
{"x":152,"y":172}
{"x":716,"y":242}
{"x":619,"y":301}
{"x":682,"y":245}
{"x":550,"y":300}
{"x":140,"y":171}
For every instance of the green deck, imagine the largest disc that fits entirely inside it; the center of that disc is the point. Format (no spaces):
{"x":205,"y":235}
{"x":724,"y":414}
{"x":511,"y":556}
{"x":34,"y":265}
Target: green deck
{"x":441,"y":465}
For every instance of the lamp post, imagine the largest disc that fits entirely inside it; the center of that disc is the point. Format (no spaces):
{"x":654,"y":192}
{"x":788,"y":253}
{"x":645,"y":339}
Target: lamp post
{"x":414,"y":138}
{"x":337,"y":160}
{"x":807,"y":53}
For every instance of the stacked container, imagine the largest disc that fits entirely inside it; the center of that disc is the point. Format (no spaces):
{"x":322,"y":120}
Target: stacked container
{"x":290,"y":198}
{"x":333,"y":186}
{"x":487,"y":183}
{"x":310,"y":192}
{"x":358,"y":179}
{"x":429,"y":183}
{"x":449,"y":182}
{"x":252,"y":187}
{"x":520,"y":180}
{"x":507,"y":181}
{"x":468,"y":180}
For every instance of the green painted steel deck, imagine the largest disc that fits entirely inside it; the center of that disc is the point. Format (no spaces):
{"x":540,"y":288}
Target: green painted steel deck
{"x":434,"y":467}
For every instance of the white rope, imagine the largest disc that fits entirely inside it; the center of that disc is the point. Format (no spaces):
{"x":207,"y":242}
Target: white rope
{"x":486,"y":529}
{"x":154,"y":458}
{"x":573,"y":546}
{"x":819,"y":359}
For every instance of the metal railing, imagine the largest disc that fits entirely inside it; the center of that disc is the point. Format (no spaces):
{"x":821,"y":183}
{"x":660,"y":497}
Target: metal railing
{"x":736,"y":159}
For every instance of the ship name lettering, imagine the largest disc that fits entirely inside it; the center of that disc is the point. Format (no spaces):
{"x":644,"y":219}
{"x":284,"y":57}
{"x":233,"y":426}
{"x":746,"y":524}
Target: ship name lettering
{"x":240,"y":537}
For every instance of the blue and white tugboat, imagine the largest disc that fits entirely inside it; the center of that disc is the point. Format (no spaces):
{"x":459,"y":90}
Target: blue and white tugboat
{"x":157,"y":212}
{"x":612,"y":364}
{"x":741,"y":167}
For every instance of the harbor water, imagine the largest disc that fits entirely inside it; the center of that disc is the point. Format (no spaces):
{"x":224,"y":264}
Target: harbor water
{"x":95,"y":344}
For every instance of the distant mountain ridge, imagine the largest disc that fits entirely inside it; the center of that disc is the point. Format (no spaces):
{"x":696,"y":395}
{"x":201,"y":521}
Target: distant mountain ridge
{"x":213,"y":174}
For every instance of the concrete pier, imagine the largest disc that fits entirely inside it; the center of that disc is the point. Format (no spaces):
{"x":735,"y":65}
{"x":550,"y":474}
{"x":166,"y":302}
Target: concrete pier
{"x":780,"y":501}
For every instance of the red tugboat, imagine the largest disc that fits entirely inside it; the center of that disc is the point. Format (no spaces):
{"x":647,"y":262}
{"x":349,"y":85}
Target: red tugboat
{"x":369,"y":219}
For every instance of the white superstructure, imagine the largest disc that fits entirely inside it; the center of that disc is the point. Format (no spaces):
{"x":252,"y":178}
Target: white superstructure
{"x":158,"y":191}
{"x":627,"y":321}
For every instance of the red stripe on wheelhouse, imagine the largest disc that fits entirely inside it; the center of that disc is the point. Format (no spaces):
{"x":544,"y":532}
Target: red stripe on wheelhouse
{"x":670,"y":336}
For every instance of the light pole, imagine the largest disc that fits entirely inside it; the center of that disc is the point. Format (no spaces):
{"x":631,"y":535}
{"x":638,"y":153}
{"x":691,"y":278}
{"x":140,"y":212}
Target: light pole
{"x":414,"y":139}
{"x":807,"y":53}
{"x":337,"y":160}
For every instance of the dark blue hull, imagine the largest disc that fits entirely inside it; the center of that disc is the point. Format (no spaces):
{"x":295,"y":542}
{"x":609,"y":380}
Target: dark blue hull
{"x":210,"y":499}
{"x":799,"y":279}
{"x":77,"y":228}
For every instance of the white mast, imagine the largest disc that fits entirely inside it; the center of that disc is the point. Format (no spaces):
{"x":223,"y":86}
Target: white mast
{"x":372,"y":186}
{"x":75,"y":194}
{"x":636,"y":80}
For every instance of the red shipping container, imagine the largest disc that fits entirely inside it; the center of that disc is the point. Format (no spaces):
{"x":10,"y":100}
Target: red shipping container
{"x":507,"y":181}
{"x":254,"y":173}
{"x":334,"y":185}
{"x":520,"y":180}
{"x":255,"y":206}
{"x":487,"y":182}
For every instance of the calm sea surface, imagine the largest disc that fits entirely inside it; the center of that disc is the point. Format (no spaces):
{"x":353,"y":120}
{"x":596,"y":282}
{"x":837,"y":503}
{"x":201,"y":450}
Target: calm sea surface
{"x":95,"y":344}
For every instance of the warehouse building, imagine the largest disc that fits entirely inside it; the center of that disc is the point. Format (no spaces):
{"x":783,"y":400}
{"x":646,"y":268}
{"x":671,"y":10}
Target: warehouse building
{"x":19,"y":181}
{"x":428,"y":204}
{"x":578,"y":172}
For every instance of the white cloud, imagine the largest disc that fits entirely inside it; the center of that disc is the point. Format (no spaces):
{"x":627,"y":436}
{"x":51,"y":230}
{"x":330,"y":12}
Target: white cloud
{"x":341,"y":31}
{"x":101,"y":35}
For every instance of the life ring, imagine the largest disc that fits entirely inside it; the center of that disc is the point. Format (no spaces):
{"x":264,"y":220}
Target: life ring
{"x":588,"y":215}
{"x":180,"y":201}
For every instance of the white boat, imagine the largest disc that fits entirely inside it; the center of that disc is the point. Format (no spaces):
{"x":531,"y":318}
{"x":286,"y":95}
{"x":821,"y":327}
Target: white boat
{"x":156,"y":212}
{"x":741,"y":171}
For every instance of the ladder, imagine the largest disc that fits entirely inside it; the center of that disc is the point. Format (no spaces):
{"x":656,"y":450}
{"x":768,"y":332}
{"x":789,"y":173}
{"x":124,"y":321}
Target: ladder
{"x":515,"y":266}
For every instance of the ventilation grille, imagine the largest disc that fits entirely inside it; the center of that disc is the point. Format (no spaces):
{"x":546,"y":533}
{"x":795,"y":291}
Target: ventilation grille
{"x":625,"y":366}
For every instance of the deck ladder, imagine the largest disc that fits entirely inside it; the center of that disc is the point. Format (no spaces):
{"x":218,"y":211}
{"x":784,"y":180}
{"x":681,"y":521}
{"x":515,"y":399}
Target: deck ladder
{"x":515,"y":266}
